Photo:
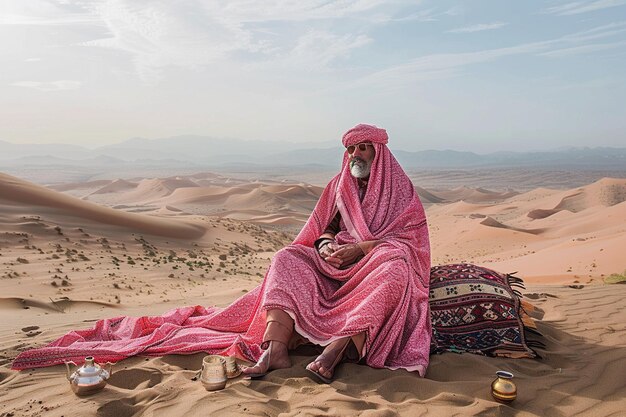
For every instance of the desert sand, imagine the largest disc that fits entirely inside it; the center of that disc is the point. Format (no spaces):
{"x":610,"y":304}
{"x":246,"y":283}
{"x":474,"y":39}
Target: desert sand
{"x":73,"y":253}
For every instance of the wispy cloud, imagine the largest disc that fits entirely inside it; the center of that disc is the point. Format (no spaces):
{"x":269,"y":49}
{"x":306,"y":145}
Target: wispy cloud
{"x":197,"y":33}
{"x":479,"y":27}
{"x":455,"y":11}
{"x":318,"y":49}
{"x":599,"y":32}
{"x":14,"y":19}
{"x":162,"y":34}
{"x":429,"y":15}
{"x":584,"y":49}
{"x":45,"y":13}
{"x":578,"y":7}
{"x":49,"y":85}
{"x":441,"y":66}
{"x":291,"y":10}
{"x":426,"y":15}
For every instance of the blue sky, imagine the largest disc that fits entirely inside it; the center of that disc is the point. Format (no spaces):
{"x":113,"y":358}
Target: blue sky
{"x":474,"y":75}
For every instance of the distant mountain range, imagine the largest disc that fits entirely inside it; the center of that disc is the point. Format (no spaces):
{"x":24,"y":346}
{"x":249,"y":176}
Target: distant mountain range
{"x":207,"y":152}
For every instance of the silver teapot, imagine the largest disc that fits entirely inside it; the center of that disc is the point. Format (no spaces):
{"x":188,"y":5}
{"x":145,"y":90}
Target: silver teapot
{"x":89,"y":378}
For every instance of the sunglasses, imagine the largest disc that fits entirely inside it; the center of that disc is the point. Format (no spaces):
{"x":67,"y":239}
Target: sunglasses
{"x":362,"y":147}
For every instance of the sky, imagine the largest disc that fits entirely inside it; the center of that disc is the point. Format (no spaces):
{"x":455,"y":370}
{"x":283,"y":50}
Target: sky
{"x":473,"y":75}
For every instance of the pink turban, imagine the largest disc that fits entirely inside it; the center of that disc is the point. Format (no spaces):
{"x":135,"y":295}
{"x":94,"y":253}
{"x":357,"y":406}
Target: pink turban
{"x":364,"y":133}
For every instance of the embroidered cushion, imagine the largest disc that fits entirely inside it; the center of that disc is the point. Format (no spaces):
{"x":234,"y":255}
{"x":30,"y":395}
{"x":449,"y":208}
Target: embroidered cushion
{"x":475,"y":309}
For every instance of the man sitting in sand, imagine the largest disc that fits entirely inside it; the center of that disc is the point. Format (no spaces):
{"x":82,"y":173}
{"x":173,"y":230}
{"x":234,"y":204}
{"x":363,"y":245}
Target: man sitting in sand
{"x":357,"y":274}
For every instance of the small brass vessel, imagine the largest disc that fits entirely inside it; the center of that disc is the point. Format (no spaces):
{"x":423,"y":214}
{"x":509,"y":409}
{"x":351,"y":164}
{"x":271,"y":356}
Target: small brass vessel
{"x":89,"y":378}
{"x":502,"y":388}
{"x":213,"y":372}
{"x":233,"y":370}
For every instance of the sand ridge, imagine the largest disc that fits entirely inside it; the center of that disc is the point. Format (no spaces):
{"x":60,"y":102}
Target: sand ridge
{"x":14,"y":190}
{"x":276,"y":202}
{"x":587,"y":232}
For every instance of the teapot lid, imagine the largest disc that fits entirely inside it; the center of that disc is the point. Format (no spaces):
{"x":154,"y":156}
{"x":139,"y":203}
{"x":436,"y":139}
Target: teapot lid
{"x":90,"y":368}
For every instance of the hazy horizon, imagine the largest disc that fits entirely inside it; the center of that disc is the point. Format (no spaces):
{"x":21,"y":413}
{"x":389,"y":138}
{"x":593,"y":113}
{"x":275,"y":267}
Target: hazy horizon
{"x":329,"y":144}
{"x":481,"y":77}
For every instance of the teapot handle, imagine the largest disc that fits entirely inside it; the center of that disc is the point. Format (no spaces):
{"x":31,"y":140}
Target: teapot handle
{"x":69,"y":369}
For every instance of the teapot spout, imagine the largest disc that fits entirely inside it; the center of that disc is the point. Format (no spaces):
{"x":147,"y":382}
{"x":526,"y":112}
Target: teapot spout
{"x":70,"y":371}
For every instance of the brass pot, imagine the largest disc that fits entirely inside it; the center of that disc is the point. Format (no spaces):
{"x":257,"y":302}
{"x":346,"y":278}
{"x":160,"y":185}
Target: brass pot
{"x":213,"y":373}
{"x":502,"y":388}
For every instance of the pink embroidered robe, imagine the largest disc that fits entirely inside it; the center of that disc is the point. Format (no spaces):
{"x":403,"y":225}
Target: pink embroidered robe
{"x":384,"y":294}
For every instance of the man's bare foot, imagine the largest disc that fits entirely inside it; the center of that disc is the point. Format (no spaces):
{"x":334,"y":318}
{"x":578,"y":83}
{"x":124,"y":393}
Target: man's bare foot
{"x":324,"y":365}
{"x":276,"y":356}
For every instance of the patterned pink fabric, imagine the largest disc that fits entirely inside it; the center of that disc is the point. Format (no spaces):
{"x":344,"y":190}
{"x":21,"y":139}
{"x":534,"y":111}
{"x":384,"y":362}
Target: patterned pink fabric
{"x":364,"y":133}
{"x":385,"y":294}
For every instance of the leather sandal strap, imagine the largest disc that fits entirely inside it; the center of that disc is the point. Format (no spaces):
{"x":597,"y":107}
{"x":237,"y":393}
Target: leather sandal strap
{"x":338,"y":358}
{"x":276,"y":331}
{"x":278,"y":322}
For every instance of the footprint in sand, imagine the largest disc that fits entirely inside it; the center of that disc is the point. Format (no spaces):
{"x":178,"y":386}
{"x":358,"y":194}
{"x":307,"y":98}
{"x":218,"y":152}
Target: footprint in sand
{"x":118,"y":408}
{"x":133,"y":378}
{"x":536,"y":296}
{"x":30,"y":331}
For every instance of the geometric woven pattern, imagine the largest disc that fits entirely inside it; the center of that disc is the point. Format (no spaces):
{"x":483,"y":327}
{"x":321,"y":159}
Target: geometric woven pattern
{"x":475,"y":309}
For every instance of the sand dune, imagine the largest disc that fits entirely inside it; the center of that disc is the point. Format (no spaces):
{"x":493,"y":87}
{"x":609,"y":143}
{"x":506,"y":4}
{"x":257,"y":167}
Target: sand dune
{"x":80,"y":185}
{"x":283,"y":218}
{"x":542,"y":213}
{"x":169,"y":210}
{"x":592,"y":220}
{"x":461,"y":208}
{"x":14,"y":190}
{"x":115,"y":187}
{"x":145,"y":191}
{"x":605,"y":192}
{"x":491,"y":222}
{"x":205,"y":176}
{"x":290,"y":203}
{"x":204,"y":195}
{"x":473,"y":195}
{"x":258,"y":199}
{"x":428,"y":197}
{"x":214,"y":195}
{"x":597,"y":216}
{"x":460,"y":218}
{"x":151,"y":189}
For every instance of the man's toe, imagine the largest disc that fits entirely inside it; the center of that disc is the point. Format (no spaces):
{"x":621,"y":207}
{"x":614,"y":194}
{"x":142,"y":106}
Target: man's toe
{"x":313,"y":366}
{"x":325,"y":372}
{"x":254,"y":369}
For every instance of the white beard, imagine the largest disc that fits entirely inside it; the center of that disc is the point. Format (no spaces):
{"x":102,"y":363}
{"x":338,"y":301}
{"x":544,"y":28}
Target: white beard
{"x":360,"y":169}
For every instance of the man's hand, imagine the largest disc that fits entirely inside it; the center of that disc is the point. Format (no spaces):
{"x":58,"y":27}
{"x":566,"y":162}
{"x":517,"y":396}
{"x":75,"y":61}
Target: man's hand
{"x":343,"y":254}
{"x":327,"y":249}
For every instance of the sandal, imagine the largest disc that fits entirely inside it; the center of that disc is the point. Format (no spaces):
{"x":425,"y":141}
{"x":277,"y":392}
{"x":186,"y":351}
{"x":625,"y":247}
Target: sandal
{"x":261,"y":374}
{"x":338,"y":358}
{"x":278,"y":329}
{"x":268,"y":353}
